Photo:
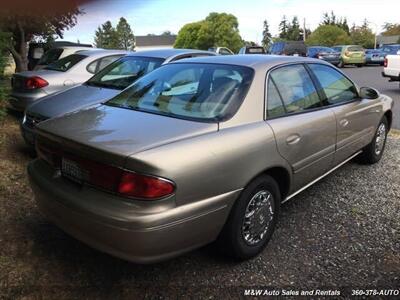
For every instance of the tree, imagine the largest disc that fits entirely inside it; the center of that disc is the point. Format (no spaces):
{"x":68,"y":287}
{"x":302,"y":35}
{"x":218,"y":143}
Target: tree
{"x":294,"y":32}
{"x":217,"y":29}
{"x":267,"y":37}
{"x":36,"y":23}
{"x":328,"y":35}
{"x":363,"y":35}
{"x":125,"y":35}
{"x":106,"y":37}
{"x":332,"y":19}
{"x":391,"y":29}
{"x":283,"y":28}
{"x":167,"y":32}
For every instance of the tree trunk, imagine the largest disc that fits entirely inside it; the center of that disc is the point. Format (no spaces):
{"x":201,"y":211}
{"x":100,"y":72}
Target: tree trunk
{"x":19,"y":51}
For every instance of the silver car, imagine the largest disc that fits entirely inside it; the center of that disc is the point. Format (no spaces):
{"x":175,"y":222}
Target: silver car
{"x":104,"y":85}
{"x":203,"y":150}
{"x":29,"y":86}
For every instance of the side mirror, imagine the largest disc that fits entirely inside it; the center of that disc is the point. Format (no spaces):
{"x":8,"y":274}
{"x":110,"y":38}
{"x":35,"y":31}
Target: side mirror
{"x":368,"y":93}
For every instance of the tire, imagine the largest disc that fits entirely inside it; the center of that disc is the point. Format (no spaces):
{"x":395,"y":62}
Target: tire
{"x":359,"y":66}
{"x":235,"y":238}
{"x":340,"y":64}
{"x":373,"y":152}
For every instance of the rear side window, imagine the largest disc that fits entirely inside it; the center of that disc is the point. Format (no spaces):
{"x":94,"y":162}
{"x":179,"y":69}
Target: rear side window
{"x":66,"y":63}
{"x":50,"y":56}
{"x":275,"y":106}
{"x":100,"y":64}
{"x":295,"y":88}
{"x":337,"y":88}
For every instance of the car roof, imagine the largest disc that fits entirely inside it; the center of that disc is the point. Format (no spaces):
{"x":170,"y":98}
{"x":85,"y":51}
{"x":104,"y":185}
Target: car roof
{"x":254,"y":61}
{"x":101,"y":52}
{"x":166,"y":53}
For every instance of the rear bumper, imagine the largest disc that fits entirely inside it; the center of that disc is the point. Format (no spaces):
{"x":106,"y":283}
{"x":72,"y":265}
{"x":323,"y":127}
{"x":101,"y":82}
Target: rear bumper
{"x":333,"y":61}
{"x":28,"y":135}
{"x":355,"y":61}
{"x":391,"y":77}
{"x":20,"y":101}
{"x":130,"y":231}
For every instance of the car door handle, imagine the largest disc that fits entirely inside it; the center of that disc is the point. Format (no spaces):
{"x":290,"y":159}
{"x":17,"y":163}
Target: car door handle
{"x":293,"y":139}
{"x":344,"y":122}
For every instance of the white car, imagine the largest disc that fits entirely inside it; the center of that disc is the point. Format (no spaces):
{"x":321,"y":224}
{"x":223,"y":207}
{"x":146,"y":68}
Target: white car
{"x":391,"y":68}
{"x":74,"y":69}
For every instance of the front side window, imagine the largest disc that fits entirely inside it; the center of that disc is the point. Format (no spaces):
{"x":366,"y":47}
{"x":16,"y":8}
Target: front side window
{"x":295,"y":88}
{"x":337,"y":88}
{"x":123,"y":72}
{"x":203,"y":92}
{"x":66,"y":63}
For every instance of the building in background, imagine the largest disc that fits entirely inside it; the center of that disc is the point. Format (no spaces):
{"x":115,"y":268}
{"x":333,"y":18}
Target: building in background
{"x":388,"y":40}
{"x":151,"y":42}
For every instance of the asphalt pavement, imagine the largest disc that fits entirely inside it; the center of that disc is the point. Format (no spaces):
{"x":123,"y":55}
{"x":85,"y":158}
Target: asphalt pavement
{"x":371,"y":76}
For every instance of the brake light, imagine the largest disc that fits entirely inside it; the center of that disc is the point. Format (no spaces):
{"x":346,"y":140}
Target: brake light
{"x":107,"y":177}
{"x":35,"y":82}
{"x":142,"y":186}
{"x":385,"y":62}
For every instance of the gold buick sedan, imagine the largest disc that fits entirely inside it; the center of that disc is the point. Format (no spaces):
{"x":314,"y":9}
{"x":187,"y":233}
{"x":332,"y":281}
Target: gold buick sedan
{"x":201,"y":150}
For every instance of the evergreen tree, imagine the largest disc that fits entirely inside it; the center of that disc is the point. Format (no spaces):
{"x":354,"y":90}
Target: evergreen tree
{"x":294,"y":32}
{"x":266,"y":40}
{"x":283,"y":28}
{"x":125,"y":35}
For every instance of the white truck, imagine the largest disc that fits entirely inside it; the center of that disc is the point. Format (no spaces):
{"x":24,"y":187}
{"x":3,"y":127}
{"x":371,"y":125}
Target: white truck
{"x":391,"y":68}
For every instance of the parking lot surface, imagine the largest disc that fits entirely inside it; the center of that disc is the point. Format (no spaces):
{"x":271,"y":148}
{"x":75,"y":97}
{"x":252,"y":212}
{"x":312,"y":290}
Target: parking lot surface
{"x":371,"y":76}
{"x":343,"y":231}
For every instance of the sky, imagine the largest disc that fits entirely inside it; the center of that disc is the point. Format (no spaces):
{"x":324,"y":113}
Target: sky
{"x":157,"y":16}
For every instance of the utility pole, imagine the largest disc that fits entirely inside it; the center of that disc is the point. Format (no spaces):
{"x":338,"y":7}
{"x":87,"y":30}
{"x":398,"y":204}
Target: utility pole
{"x":304,"y":30}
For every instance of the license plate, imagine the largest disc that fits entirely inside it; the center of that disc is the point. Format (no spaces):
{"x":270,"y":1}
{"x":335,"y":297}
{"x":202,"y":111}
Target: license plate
{"x":295,"y":54}
{"x":73,"y":171}
{"x":375,"y":58}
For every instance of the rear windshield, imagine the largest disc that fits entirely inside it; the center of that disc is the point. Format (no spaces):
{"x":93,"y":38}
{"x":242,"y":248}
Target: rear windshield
{"x":203,"y":92}
{"x":355,"y":48}
{"x":255,"y":50}
{"x":50,"y":56}
{"x":123,"y":72}
{"x":66,"y":63}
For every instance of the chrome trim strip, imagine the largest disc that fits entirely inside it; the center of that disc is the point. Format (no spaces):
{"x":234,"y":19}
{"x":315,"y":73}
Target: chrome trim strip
{"x":322,"y":176}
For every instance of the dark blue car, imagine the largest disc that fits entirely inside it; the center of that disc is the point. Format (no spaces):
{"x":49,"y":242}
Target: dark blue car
{"x":374,"y":57}
{"x":324,"y":53}
{"x":390,"y":49}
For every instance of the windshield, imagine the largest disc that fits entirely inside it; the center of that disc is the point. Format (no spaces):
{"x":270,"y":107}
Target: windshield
{"x":66,"y":63}
{"x":123,"y":72}
{"x":203,"y":92}
{"x":50,"y":56}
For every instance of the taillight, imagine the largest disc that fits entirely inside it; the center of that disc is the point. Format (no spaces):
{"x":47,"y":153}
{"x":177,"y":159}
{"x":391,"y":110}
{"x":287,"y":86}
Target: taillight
{"x":107,"y":177}
{"x":142,"y":186}
{"x":385,"y":62}
{"x":35,"y":82}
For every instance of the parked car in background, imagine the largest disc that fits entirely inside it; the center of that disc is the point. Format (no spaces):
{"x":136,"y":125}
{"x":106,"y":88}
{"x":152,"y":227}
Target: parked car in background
{"x":391,"y":67}
{"x":252,"y":50}
{"x":293,"y":48}
{"x":74,"y":69}
{"x":104,"y":85}
{"x":42,"y":54}
{"x":374,"y":57}
{"x":324,"y":53}
{"x":203,"y":149}
{"x":390,"y":49}
{"x":350,"y":55}
{"x":221,"y":50}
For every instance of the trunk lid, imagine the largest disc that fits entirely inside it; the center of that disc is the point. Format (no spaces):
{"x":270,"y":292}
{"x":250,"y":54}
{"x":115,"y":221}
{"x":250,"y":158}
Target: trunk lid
{"x":110,"y":134}
{"x":71,"y":100}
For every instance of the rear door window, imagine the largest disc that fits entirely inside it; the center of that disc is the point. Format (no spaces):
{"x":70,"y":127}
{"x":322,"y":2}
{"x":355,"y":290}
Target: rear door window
{"x":296,"y":89}
{"x":66,"y":63}
{"x":337,"y":88}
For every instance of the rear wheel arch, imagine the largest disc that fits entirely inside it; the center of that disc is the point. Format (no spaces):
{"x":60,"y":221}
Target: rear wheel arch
{"x":282,"y":177}
{"x":389,"y":117}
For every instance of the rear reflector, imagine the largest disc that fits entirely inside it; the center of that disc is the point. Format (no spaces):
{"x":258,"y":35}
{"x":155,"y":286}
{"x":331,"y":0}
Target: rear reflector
{"x":385,"y":62}
{"x":35,"y":82}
